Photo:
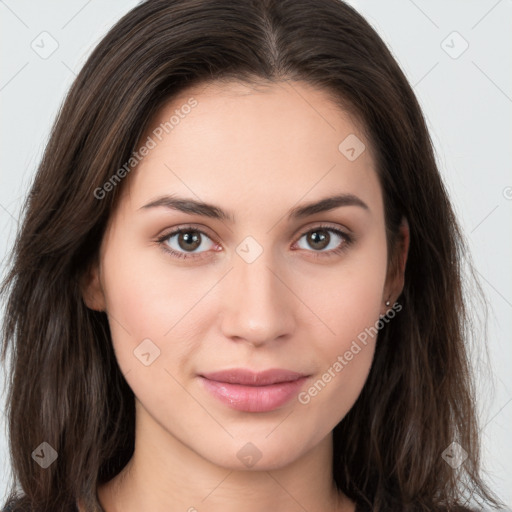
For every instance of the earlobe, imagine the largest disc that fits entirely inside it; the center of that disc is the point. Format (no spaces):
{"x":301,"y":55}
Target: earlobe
{"x":92,"y":291}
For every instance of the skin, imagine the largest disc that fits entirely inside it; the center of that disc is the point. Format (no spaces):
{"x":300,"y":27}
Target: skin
{"x":256,"y":152}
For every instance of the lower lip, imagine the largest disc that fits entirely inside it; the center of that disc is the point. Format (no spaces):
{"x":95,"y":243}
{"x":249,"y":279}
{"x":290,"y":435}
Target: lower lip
{"x":254,"y":398}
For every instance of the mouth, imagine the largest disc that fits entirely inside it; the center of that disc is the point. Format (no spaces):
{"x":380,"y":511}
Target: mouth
{"x":249,"y":391}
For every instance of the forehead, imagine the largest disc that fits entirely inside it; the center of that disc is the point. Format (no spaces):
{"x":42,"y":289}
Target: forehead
{"x":254,"y":114}
{"x":281,"y":141}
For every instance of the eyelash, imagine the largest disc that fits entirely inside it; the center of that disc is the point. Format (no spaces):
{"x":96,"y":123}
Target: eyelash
{"x":348,"y":240}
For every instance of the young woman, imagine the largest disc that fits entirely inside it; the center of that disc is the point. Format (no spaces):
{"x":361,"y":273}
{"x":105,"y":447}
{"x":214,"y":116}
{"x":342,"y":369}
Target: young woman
{"x":237,"y":285}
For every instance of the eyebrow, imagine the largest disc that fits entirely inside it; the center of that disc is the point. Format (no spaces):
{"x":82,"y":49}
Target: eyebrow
{"x":208,"y":210}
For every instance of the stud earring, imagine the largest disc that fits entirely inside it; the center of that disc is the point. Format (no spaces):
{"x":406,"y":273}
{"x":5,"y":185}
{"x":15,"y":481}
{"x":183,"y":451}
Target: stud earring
{"x":388,"y":303}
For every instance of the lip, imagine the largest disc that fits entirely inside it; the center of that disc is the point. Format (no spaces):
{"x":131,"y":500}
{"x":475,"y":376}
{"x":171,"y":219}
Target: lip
{"x":250,"y":391}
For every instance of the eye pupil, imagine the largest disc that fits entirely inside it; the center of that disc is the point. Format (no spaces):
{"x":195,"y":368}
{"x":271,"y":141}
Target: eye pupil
{"x":189,"y":237}
{"x":319,"y":241}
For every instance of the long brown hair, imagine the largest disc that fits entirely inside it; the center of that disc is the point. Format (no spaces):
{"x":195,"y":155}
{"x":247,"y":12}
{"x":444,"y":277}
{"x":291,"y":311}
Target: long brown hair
{"x":65,"y":387}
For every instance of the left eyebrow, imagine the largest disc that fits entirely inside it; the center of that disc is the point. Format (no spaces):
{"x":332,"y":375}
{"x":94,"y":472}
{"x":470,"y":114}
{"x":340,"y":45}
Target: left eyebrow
{"x":208,"y":210}
{"x":326,"y":204}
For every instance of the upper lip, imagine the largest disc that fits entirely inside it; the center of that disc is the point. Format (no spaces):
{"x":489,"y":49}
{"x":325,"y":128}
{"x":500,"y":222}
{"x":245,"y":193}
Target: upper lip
{"x":250,"y":378}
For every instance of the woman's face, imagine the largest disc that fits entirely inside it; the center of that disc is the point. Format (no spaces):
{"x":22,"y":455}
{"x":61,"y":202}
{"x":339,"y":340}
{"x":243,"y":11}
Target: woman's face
{"x":256,"y":281}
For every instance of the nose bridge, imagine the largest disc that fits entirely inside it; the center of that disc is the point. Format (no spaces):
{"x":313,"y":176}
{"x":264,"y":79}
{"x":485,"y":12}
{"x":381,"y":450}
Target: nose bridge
{"x":257,"y":283}
{"x":257,"y":307}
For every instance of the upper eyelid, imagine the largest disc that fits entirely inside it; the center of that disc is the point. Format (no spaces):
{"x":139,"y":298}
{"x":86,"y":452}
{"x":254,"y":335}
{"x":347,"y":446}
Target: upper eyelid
{"x":302,"y":232}
{"x":175,"y":231}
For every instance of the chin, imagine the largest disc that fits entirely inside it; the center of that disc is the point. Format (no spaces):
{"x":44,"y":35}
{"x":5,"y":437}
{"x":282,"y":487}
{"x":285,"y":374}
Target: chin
{"x":257,"y":455}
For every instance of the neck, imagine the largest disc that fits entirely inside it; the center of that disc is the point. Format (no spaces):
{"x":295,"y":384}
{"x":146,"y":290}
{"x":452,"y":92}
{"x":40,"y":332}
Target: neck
{"x":165,"y":475}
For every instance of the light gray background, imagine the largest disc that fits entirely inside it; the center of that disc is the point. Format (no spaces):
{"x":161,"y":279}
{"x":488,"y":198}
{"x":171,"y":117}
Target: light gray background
{"x":466,"y":98}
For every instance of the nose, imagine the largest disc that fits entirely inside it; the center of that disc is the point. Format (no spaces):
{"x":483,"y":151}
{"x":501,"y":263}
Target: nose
{"x":258,"y":306}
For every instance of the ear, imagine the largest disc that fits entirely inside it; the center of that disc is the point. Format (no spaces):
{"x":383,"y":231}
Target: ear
{"x":92,"y":291}
{"x":395,"y":278}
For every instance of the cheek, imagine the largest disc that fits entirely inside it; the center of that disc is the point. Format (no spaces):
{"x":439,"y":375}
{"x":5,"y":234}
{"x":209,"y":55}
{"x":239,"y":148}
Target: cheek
{"x":141,"y":294}
{"x":147,"y":301}
{"x":348,"y":298}
{"x":349,"y":304}
{"x":345,"y":358}
{"x":333,"y":392}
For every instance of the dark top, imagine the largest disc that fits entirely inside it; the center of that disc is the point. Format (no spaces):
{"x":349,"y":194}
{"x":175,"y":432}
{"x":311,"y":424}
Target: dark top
{"x":75,"y":509}
{"x":359,"y":508}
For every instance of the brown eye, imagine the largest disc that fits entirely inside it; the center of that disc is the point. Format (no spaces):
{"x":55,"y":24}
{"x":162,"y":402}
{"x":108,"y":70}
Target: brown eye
{"x":184,"y":242}
{"x":325,"y":239}
{"x":318,"y":239}
{"x":189,"y":240}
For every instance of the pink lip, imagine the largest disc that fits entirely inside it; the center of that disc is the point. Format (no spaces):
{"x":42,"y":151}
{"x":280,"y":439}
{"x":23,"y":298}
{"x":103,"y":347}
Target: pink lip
{"x":247,"y":391}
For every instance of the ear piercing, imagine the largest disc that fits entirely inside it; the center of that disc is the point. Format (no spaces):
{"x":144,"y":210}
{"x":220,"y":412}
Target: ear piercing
{"x":387,"y":303}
